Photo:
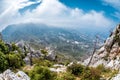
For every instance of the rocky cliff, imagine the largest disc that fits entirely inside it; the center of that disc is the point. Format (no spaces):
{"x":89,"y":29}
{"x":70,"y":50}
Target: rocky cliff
{"x":109,"y":53}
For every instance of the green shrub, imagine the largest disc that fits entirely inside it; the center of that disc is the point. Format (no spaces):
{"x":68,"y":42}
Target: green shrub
{"x":76,"y":69}
{"x":3,"y":62}
{"x":66,"y":76}
{"x":43,"y":51}
{"x":106,"y":72}
{"x":91,"y":74}
{"x":14,"y":47}
{"x":15,"y":60}
{"x":103,"y":69}
{"x":113,"y":73}
{"x":41,"y":62}
{"x":3,"y":47}
{"x":10,"y":57}
{"x":41,"y":73}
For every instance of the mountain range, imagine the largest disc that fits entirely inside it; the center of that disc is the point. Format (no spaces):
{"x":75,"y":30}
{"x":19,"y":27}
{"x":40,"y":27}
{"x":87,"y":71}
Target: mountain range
{"x":65,"y":41}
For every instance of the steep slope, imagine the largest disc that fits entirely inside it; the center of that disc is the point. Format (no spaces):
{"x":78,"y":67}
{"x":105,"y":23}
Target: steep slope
{"x":109,"y":53}
{"x":65,"y":41}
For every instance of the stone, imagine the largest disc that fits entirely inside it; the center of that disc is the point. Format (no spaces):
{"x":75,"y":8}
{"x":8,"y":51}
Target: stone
{"x":22,"y":75}
{"x":58,"y":68}
{"x":9,"y":75}
{"x":34,"y":54}
{"x":117,"y":77}
{"x":51,"y":55}
{"x":109,"y":53}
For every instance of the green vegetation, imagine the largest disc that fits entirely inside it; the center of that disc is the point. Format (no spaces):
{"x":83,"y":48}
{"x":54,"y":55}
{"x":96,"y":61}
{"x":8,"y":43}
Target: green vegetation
{"x":39,"y":36}
{"x":44,"y":51}
{"x":76,"y":69}
{"x":106,"y":72}
{"x":3,"y":62}
{"x":103,"y":69}
{"x":14,"y":47}
{"x":44,"y":63}
{"x":9,"y":58}
{"x":41,"y":73}
{"x":66,"y":76}
{"x":91,"y":74}
{"x":84,"y":73}
{"x":3,"y":48}
{"x":15,"y":60}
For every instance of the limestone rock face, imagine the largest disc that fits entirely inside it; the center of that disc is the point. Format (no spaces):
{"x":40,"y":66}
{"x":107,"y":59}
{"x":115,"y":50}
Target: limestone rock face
{"x":109,"y":53}
{"x":59,"y":68}
{"x":51,"y":55}
{"x":33,"y":54}
{"x":9,"y":75}
{"x":23,"y":46}
{"x":117,"y":77}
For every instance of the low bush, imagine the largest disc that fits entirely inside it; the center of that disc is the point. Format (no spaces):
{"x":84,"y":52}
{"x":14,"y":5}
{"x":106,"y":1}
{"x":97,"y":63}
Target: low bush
{"x":91,"y":74}
{"x":66,"y":76}
{"x":3,"y":62}
{"x":76,"y":69}
{"x":41,"y":73}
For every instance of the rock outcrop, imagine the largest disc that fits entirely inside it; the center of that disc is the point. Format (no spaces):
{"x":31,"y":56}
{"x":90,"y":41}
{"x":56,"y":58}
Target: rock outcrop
{"x":109,"y":53}
{"x":51,"y":55}
{"x":33,"y":54}
{"x":37,"y":54}
{"x":23,"y":46}
{"x":58,"y":68}
{"x":116,"y":77}
{"x":9,"y":75}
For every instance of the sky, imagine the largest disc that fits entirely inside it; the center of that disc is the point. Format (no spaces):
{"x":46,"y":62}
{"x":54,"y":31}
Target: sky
{"x":87,"y":14}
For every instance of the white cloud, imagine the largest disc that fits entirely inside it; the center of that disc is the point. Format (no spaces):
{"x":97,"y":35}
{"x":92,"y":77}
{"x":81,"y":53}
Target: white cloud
{"x":53,"y":12}
{"x":10,"y":14}
{"x":113,"y":3}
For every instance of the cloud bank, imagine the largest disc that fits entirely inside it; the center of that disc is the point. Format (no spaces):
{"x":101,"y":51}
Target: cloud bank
{"x":51,"y":12}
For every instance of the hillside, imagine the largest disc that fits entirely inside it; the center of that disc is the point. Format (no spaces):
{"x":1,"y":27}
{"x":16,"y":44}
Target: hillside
{"x":22,"y":62}
{"x":64,"y":41}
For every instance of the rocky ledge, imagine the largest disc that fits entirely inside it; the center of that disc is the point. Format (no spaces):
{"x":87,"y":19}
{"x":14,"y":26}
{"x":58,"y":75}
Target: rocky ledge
{"x":9,"y":75}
